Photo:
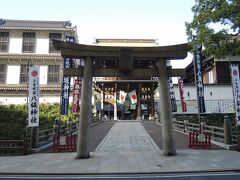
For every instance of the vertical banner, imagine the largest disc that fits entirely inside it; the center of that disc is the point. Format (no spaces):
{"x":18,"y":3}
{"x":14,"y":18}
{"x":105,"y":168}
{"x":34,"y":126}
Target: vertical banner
{"x":122,"y":97}
{"x":182,"y":98}
{"x":172,"y":95}
{"x":236,"y":90}
{"x":199,"y":79}
{"x":33,"y":96}
{"x":133,"y":96}
{"x":66,"y":82}
{"x":65,"y":88}
{"x":76,"y":95}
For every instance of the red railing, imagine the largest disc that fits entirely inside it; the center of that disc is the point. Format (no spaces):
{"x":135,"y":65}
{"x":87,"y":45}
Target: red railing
{"x":199,"y":140}
{"x":65,"y":143}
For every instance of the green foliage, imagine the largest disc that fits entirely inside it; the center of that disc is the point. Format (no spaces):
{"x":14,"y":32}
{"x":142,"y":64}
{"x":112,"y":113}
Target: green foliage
{"x":13,"y":119}
{"x":215,"y":25}
{"x":12,"y":122}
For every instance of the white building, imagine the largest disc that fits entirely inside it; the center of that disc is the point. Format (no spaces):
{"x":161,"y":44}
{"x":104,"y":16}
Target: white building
{"x":218,"y":98}
{"x":24,"y":42}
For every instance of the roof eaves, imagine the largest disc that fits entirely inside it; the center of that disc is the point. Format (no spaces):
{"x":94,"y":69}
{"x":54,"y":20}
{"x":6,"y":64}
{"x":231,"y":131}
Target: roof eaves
{"x":37,"y":29}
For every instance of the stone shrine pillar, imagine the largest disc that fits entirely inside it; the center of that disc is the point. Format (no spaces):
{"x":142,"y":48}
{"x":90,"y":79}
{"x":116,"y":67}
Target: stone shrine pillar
{"x":85,"y":112}
{"x":169,"y":147}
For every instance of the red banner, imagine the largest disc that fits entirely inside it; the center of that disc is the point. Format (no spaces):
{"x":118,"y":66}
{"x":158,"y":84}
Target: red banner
{"x":76,"y":95}
{"x":183,"y":102}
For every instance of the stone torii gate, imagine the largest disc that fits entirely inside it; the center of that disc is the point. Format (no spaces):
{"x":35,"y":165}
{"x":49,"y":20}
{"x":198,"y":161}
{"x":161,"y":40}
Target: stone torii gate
{"x":129,"y":63}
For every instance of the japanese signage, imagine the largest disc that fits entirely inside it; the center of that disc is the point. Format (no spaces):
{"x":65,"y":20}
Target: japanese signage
{"x":66,"y":82}
{"x":76,"y":95}
{"x":182,"y":98}
{"x":236,"y":90}
{"x":199,"y":79}
{"x":65,"y":89}
{"x":172,"y":95}
{"x":33,"y":96}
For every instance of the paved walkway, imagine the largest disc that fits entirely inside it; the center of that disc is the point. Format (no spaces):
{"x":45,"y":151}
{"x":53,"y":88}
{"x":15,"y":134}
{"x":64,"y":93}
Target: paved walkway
{"x":123,"y":152}
{"x":127,"y":136}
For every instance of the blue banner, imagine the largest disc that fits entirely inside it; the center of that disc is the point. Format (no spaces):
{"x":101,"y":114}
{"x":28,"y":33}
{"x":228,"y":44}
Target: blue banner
{"x":66,"y":82}
{"x":199,"y":79}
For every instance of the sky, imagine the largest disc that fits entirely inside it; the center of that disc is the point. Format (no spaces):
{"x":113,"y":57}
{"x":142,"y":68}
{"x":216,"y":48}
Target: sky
{"x":127,"y":19}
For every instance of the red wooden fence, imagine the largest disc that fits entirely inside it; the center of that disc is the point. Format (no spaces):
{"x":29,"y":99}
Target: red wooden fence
{"x":64,"y":143}
{"x":199,"y":140}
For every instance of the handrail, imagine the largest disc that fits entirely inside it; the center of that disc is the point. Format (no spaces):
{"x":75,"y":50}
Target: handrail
{"x":217,"y":132}
{"x":46,"y":135}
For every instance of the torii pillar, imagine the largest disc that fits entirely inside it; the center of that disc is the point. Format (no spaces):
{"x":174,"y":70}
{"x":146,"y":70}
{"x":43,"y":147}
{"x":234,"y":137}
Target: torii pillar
{"x":169,"y":147}
{"x":85,"y":111}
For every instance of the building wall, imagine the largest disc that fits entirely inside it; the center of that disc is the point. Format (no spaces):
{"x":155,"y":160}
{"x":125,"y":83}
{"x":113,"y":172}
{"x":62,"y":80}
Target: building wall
{"x":12,"y":92}
{"x":218,"y":98}
{"x":42,"y":43}
{"x":43,"y":74}
{"x":13,"y":74}
{"x":15,"y":42}
{"x":23,"y":100}
{"x":211,"y":92}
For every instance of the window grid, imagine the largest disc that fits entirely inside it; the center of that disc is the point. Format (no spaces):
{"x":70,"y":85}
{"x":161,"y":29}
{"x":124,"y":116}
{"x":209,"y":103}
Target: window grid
{"x":24,"y":74}
{"x":53,"y":74}
{"x":28,"y":43}
{"x":56,"y":36}
{"x":2,"y":73}
{"x":4,"y":39}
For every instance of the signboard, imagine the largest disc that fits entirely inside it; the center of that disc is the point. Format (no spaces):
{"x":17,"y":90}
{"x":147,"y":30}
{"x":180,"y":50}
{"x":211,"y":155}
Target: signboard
{"x":33,"y":96}
{"x":182,"y":97}
{"x":172,"y":95}
{"x":125,"y":60}
{"x":199,"y":79}
{"x":236,"y":90}
{"x":76,"y":95}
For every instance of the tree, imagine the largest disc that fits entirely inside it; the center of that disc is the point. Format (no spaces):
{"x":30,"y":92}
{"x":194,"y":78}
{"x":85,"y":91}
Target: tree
{"x":215,"y":25}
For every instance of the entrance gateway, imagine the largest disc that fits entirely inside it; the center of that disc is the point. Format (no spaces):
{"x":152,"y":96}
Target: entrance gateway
{"x":124,"y":63}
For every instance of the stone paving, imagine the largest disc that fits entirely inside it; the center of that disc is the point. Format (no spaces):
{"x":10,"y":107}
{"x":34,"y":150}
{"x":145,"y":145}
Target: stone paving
{"x":127,"y":136}
{"x":130,"y":157}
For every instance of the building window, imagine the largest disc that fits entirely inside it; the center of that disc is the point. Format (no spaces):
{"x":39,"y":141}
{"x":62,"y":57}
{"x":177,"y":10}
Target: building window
{"x":2,"y":73}
{"x":24,"y":74}
{"x":56,"y":36}
{"x":53,"y":74}
{"x":28,"y":45}
{"x":4,"y":37}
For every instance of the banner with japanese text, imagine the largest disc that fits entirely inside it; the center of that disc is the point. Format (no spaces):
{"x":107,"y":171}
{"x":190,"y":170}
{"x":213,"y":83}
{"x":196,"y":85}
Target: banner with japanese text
{"x":182,"y":97}
{"x":76,"y":95}
{"x":199,"y":79}
{"x":66,"y":82}
{"x":236,"y":90}
{"x":33,"y":96}
{"x":172,"y":95}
